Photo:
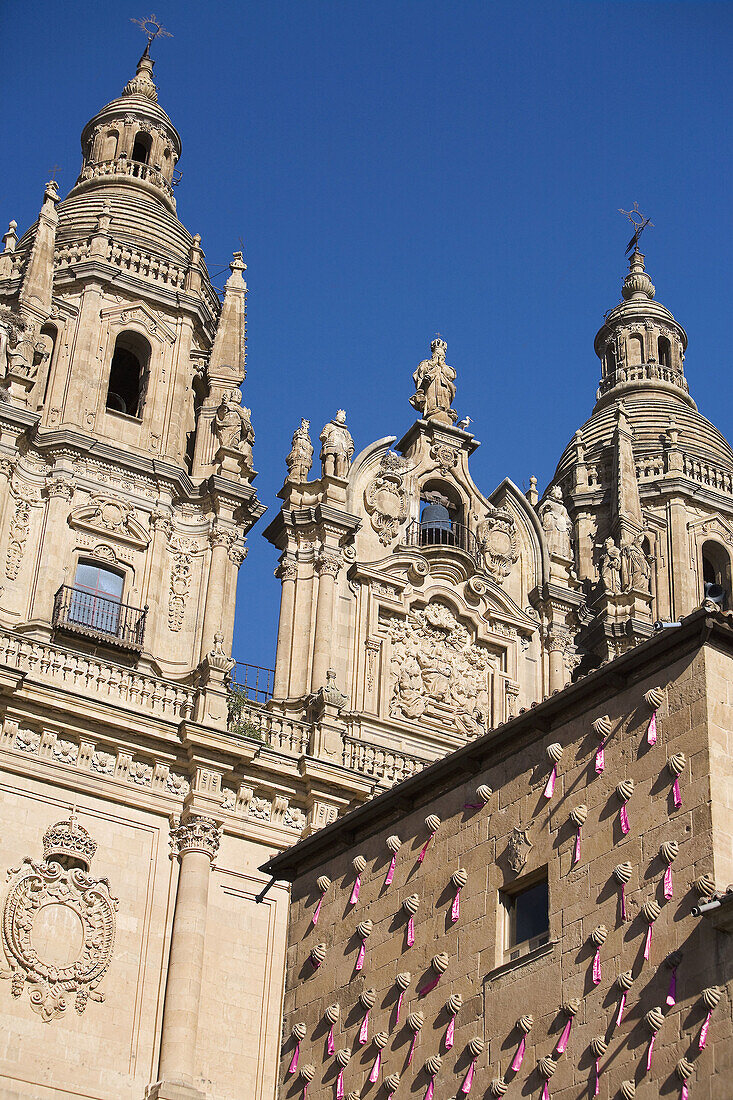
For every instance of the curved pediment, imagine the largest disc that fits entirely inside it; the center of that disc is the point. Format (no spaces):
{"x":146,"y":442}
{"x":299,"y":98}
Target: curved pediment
{"x":111,"y":518}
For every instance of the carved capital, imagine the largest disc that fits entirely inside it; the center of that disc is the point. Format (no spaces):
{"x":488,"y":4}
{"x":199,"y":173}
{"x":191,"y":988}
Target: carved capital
{"x":287,"y":571}
{"x":59,"y":487}
{"x":329,"y":563}
{"x":195,"y":834}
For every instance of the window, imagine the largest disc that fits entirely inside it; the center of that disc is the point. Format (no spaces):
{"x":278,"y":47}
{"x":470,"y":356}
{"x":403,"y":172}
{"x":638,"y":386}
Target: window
{"x":128,"y":375}
{"x":664,"y":351}
{"x":141,"y":147}
{"x":610,"y":359}
{"x":635,"y":353}
{"x":96,"y":598}
{"x":109,"y":145}
{"x":527,"y":919}
{"x":716,"y":573}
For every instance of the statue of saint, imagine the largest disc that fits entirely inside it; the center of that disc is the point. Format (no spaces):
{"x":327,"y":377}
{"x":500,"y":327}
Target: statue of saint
{"x":636,"y":566}
{"x":233,"y":427}
{"x":556,"y":523}
{"x":611,"y":568}
{"x":434,"y":386}
{"x":337,"y":448}
{"x":300,"y":459}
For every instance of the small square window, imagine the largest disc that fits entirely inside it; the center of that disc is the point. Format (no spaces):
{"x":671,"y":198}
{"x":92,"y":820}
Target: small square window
{"x":527,"y":916}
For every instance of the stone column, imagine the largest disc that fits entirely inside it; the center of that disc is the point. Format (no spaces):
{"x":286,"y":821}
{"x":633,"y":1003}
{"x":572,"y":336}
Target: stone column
{"x":287,"y":572}
{"x":195,"y":842}
{"x":220,"y":542}
{"x":53,"y":545}
{"x":327,"y":566}
{"x":557,"y":641}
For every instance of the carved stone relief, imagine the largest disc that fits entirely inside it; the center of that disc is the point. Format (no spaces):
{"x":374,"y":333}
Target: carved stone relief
{"x":518,"y":849}
{"x":385,"y":497}
{"x":180,"y":580}
{"x":438,"y":673}
{"x":497,"y":537}
{"x":20,"y":524}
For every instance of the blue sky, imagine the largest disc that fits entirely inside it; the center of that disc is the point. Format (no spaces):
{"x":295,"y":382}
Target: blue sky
{"x":400,"y":168}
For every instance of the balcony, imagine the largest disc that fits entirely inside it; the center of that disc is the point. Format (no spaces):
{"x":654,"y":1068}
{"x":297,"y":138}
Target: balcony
{"x":451,"y":535}
{"x":90,"y":616}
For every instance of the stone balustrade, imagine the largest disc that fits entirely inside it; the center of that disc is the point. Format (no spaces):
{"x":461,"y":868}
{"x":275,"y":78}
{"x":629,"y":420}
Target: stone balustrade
{"x":387,"y":766}
{"x":643,"y":372}
{"x":285,"y":734}
{"x":706,"y":474}
{"x":128,"y":169}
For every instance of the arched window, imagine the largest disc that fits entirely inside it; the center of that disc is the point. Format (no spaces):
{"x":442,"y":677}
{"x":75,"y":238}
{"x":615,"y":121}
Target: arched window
{"x":141,"y":147}
{"x":441,"y":513}
{"x":49,"y":335}
{"x":128,"y":375}
{"x":96,"y":598}
{"x":610,"y":359}
{"x":109,"y":145}
{"x":635,"y":353}
{"x":664,"y":352}
{"x":716,"y":570}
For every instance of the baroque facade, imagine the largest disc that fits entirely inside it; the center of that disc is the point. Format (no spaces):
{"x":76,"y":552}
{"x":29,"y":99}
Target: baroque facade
{"x":141,"y":794}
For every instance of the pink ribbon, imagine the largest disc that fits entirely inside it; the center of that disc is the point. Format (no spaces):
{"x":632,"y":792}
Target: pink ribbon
{"x":648,"y":942}
{"x":413,"y":1044}
{"x":550,"y":785}
{"x":597,"y":1087}
{"x":651,"y":730}
{"x":410,"y":932}
{"x":330,"y":1045}
{"x":518,"y":1057}
{"x":340,"y":1086}
{"x":430,"y":1089}
{"x":600,"y":758}
{"x":361,"y":956}
{"x":562,"y":1044}
{"x":623,"y":902}
{"x":317,"y":913}
{"x":545,"y":1091}
{"x":676,"y":794}
{"x":597,"y":968}
{"x":668,"y":889}
{"x":685,"y":1094}
{"x":424,"y":849}
{"x":704,"y":1032}
{"x":672,"y":995}
{"x":576,"y":853}
{"x":305,"y":1090}
{"x":364,"y":1030}
{"x":622,"y":1005}
{"x":390,"y":872}
{"x":355,"y":892}
{"x":450,"y":1033}
{"x":399,"y":1006}
{"x":468,"y":1079}
{"x":373,"y":1076}
{"x":455,"y":909}
{"x":473,"y":805}
{"x":649,"y":1050}
{"x":623,"y":818}
{"x":430,"y":986}
{"x":294,"y":1063}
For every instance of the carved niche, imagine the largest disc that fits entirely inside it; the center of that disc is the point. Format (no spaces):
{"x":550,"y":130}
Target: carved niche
{"x":385,"y":497}
{"x":438,"y":672}
{"x":58,"y":927}
{"x":497,"y":537}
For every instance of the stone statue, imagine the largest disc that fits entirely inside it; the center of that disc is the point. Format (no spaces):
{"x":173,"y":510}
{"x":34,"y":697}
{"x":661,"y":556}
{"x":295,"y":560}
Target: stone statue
{"x":337,"y":448}
{"x":556,"y":523}
{"x":635,"y":565}
{"x":611,"y":567}
{"x":434,"y":386}
{"x":300,"y":459}
{"x":233,"y":427}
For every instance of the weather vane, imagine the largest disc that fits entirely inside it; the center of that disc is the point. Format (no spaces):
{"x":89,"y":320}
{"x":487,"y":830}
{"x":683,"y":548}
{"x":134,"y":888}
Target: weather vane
{"x":639,"y":222}
{"x":152,"y":28}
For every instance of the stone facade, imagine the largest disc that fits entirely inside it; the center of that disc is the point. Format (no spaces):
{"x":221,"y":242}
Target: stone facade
{"x":482,"y":824}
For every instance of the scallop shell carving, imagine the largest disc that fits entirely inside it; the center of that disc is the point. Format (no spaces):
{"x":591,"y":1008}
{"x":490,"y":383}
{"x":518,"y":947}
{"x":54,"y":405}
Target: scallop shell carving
{"x":599,"y":935}
{"x":654,"y":698}
{"x":411,"y":904}
{"x":432,"y":821}
{"x":476,"y":1047}
{"x":554,"y":752}
{"x":598,"y":1046}
{"x":391,"y":1082}
{"x":625,"y":789}
{"x":669,"y":851}
{"x":403,"y":980}
{"x":628,"y":1090}
{"x":498,"y":1087}
{"x":318,"y":954}
{"x":415,"y":1021}
{"x":332,"y":1013}
{"x":547,"y":1067}
{"x":711,"y":996}
{"x":365,"y":928}
{"x":299,"y":1032}
{"x":676,"y":763}
{"x":459,"y":878}
{"x":359,"y":864}
{"x":368,"y":999}
{"x":343,"y":1056}
{"x":654,"y":1019}
{"x":440,"y":962}
{"x":484,"y":793}
{"x":684,"y":1069}
{"x":571,"y":1006}
{"x":650,"y":910}
{"x":622,"y":872}
{"x":381,"y":1039}
{"x":579,"y":815}
{"x":394,"y":843}
{"x":353,"y":1096}
{"x":307,"y":1072}
{"x":433,"y":1064}
{"x":525,"y":1023}
{"x":602,"y":726}
{"x":705,"y":886}
{"x":454,"y":1004}
{"x":625,"y":980}
{"x":323,"y":882}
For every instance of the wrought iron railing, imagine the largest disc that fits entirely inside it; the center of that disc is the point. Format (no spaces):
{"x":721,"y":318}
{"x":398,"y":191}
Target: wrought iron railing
{"x":456,"y":535}
{"x":253,"y":681}
{"x":77,"y":611}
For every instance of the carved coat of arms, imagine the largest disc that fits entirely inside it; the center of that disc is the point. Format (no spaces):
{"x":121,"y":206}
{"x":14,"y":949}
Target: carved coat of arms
{"x":497,"y":537}
{"x":518,"y":849}
{"x":385,"y":497}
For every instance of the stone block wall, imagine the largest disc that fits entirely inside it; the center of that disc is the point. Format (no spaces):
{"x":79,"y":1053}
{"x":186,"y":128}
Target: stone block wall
{"x":583,"y":894}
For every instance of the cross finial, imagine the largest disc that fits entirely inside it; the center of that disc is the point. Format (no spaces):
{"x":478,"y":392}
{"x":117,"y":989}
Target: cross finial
{"x":639,"y":222}
{"x":150,"y":26}
{"x":56,"y":168}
